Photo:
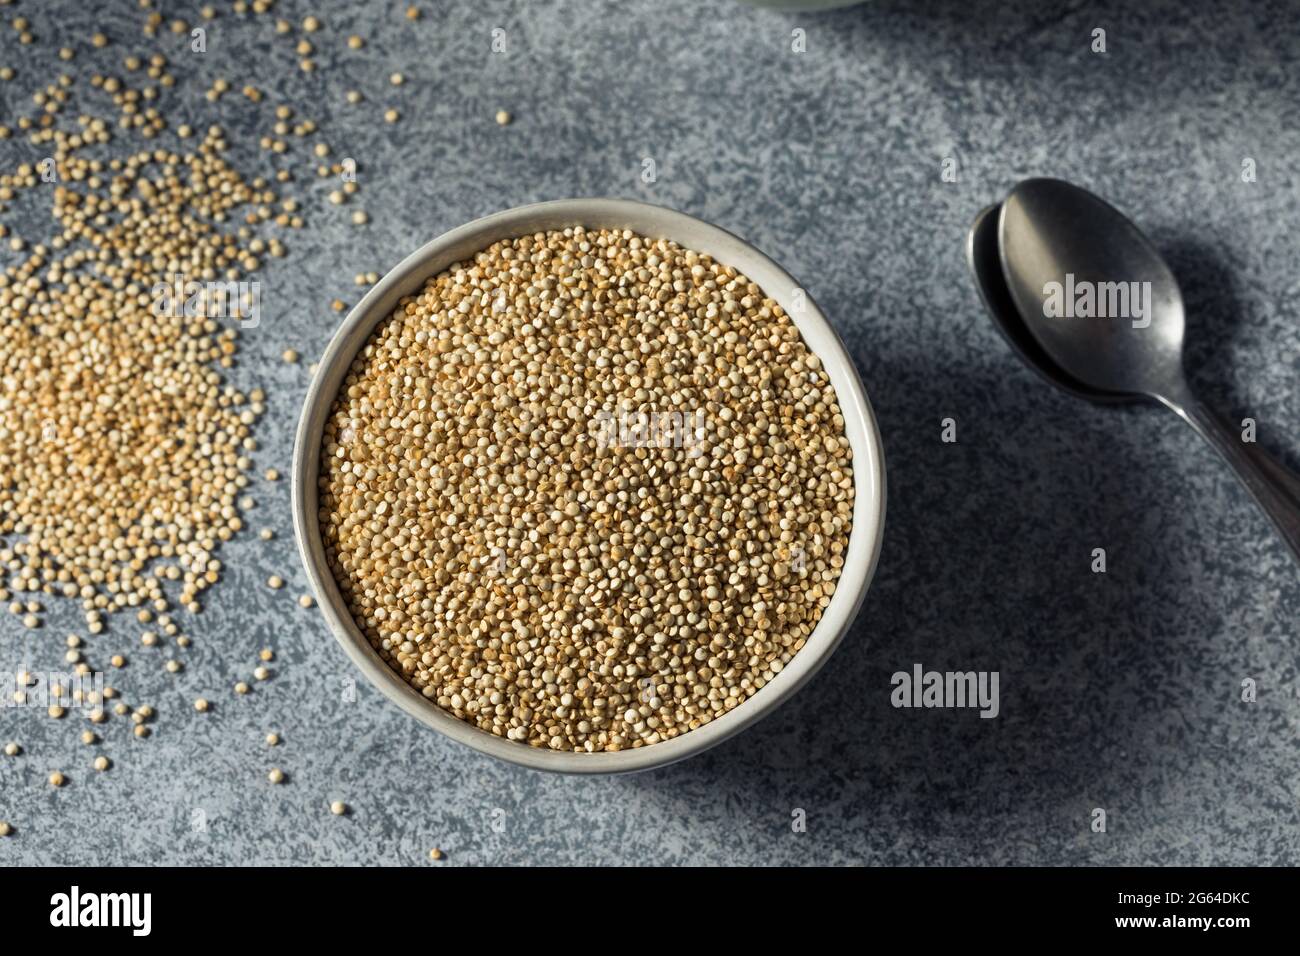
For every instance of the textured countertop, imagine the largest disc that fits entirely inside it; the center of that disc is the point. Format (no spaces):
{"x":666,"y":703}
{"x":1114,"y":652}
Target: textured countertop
{"x":1119,"y":691}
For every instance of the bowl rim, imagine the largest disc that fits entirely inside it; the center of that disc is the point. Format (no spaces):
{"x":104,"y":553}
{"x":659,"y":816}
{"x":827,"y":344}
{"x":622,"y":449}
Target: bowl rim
{"x":646,"y":219}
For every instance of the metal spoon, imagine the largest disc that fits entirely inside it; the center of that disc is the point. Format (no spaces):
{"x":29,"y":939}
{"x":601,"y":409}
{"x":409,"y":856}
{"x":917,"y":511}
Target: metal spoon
{"x":1050,"y":232}
{"x":985,"y":263}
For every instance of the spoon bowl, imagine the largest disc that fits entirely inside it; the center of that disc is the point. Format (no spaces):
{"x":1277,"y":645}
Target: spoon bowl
{"x":1091,"y":289}
{"x":985,"y":263}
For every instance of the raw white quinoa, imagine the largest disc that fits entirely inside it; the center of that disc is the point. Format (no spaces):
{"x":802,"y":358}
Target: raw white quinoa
{"x":540,"y":573}
{"x":119,"y":439}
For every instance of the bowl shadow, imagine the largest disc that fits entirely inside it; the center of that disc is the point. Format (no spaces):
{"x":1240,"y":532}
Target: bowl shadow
{"x":986,"y":565}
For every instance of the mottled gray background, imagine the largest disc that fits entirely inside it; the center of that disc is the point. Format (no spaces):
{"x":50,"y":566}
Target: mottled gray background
{"x":1118,"y":691}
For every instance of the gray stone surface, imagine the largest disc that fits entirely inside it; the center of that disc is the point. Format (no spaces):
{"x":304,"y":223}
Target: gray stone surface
{"x":1119,"y":691}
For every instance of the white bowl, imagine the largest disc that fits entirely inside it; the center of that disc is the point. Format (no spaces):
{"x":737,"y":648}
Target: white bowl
{"x":461,"y":244}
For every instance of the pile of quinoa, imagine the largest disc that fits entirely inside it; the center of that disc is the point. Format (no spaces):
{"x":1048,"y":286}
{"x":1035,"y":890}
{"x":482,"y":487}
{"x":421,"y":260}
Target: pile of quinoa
{"x":122,"y":449}
{"x":126,"y":454}
{"x":534,"y":567}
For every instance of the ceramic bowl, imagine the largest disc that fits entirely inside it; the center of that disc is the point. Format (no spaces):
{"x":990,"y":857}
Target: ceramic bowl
{"x":461,"y":244}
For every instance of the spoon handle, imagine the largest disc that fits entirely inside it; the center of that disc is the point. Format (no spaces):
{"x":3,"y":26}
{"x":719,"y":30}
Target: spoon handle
{"x":1287,"y":478}
{"x":1269,"y":482}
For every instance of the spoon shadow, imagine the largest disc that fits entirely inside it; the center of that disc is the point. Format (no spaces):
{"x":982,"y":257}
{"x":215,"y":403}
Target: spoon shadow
{"x":1215,"y":319}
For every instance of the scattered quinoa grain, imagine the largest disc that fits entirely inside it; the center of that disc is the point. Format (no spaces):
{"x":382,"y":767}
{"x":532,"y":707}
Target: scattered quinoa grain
{"x":276,"y":775}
